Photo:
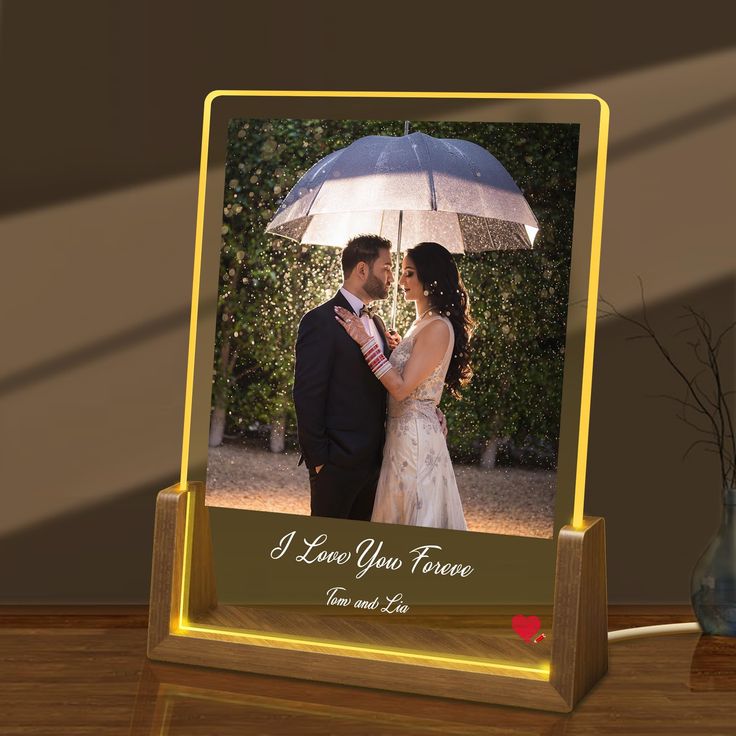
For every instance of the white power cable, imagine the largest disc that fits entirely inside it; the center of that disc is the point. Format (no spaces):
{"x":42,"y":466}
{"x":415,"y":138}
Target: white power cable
{"x":691,"y":627}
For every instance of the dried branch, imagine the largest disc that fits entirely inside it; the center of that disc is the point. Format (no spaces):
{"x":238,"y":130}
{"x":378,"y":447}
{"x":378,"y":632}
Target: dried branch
{"x":711,"y":405}
{"x":678,"y":399}
{"x":692,"y":424}
{"x":701,"y":359}
{"x":717,"y":346}
{"x":703,"y":392}
{"x":724,"y":413}
{"x":699,"y":442}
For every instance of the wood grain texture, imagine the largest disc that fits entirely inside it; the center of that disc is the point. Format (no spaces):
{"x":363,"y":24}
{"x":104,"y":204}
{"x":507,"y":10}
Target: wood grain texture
{"x":480,"y":633}
{"x":107,"y":616}
{"x":365,"y":672}
{"x":202,"y":591}
{"x":580,"y":624}
{"x":58,"y":679}
{"x":166,"y":566}
{"x":74,"y":617}
{"x":458,"y":655}
{"x":168,"y":560}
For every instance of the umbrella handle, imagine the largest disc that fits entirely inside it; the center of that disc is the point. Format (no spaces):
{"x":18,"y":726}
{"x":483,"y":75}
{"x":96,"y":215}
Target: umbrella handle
{"x":395,"y":300}
{"x":397,"y":272}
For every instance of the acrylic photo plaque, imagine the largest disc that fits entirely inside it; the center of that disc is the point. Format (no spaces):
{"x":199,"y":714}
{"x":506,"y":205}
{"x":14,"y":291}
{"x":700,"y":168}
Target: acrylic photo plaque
{"x":506,"y":600}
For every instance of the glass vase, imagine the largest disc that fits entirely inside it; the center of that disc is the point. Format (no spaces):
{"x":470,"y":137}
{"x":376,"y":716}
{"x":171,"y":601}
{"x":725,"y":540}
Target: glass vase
{"x":713,"y":583}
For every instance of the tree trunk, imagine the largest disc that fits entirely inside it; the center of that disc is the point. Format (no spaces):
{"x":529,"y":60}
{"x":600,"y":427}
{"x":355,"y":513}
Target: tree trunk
{"x":277,"y":439}
{"x":488,"y":458}
{"x":219,"y":412}
{"x":217,"y":426}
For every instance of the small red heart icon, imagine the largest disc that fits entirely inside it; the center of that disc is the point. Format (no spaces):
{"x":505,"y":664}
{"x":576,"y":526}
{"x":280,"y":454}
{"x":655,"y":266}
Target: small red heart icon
{"x":526,"y":626}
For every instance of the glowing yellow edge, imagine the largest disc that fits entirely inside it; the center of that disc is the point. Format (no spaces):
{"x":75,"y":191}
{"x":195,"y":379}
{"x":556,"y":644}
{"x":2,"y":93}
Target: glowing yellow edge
{"x":590,"y":318}
{"x":199,"y":235}
{"x":386,"y":653}
{"x":587,"y":380}
{"x":186,"y":563}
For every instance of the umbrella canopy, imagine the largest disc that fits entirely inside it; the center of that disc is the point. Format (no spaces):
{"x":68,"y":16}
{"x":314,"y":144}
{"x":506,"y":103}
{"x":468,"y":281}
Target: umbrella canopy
{"x":411,"y":188}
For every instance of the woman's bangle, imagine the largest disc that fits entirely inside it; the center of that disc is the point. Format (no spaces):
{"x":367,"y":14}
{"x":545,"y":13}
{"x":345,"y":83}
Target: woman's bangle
{"x":375,"y":358}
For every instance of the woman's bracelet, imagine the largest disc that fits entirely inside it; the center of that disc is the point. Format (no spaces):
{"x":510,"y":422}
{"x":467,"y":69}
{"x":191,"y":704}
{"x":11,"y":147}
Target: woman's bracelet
{"x":375,"y":358}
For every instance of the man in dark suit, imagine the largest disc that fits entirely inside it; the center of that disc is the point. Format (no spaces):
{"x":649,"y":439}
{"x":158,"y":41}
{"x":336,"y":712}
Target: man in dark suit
{"x":340,"y":405}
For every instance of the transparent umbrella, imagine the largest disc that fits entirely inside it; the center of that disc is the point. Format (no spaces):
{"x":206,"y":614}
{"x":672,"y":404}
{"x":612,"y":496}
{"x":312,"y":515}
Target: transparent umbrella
{"x":408,"y":189}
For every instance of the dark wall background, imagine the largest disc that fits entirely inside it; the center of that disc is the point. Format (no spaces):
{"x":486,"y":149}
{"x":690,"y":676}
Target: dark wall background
{"x":99,"y":144}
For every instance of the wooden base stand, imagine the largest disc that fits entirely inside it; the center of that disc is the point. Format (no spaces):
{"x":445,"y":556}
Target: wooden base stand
{"x":184,"y":607}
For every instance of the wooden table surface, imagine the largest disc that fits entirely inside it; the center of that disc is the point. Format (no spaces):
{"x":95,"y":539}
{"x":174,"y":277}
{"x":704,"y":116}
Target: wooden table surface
{"x":84,"y":671}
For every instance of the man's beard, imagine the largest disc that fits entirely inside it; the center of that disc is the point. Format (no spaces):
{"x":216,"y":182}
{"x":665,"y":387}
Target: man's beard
{"x":375,"y":288}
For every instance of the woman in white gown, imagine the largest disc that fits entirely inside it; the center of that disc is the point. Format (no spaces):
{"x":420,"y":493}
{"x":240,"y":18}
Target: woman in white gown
{"x":417,"y":483}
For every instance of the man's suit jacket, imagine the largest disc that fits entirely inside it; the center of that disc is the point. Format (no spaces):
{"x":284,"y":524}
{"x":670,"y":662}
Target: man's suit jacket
{"x":340,"y":405}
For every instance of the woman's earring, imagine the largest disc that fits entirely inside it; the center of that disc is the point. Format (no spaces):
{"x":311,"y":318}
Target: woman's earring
{"x":426,"y":293}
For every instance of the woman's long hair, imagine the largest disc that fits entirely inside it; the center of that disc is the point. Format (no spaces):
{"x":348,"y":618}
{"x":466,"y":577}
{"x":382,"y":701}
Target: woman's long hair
{"x":437,"y":272}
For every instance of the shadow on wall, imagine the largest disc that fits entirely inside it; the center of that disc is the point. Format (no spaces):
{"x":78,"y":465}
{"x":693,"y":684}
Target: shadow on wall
{"x":145,"y":75}
{"x":660,"y":510}
{"x":99,"y":554}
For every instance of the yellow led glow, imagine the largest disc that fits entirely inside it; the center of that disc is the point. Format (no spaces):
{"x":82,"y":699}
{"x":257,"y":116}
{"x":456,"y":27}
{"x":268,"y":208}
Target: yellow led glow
{"x":187,"y":566}
{"x":187,"y":629}
{"x":587,"y":378}
{"x":353,"y":650}
{"x":590,"y":317}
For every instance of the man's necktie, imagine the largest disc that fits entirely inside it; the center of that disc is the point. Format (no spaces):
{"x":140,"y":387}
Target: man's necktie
{"x":367,"y":310}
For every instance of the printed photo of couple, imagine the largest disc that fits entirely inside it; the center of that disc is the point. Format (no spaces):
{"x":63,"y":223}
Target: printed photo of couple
{"x":391,"y":321}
